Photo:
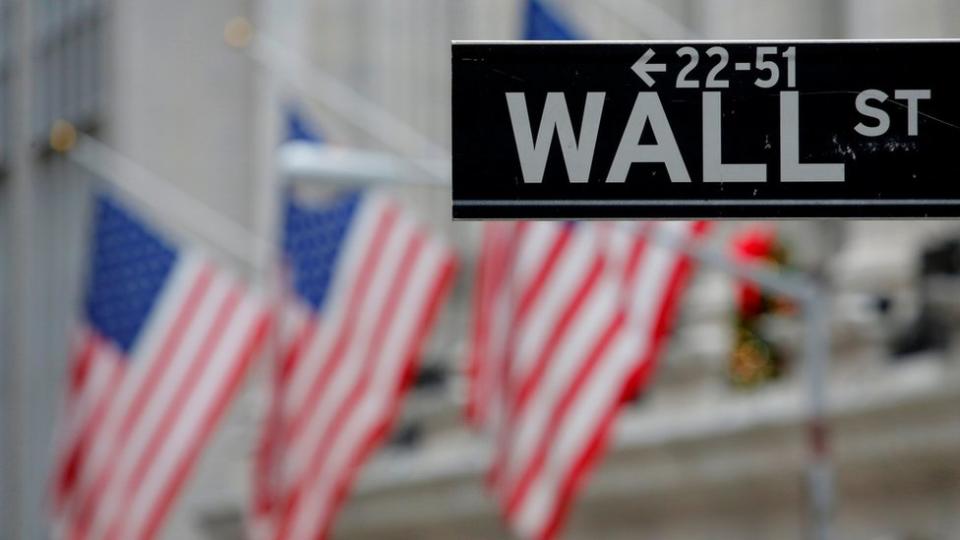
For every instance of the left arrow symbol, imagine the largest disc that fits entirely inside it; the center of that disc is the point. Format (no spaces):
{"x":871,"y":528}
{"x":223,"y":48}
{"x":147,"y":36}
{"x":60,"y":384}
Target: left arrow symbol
{"x":643,"y":67}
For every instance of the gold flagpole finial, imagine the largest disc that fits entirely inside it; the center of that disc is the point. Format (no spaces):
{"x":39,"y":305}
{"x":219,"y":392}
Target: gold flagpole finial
{"x":238,"y":32}
{"x":63,"y":136}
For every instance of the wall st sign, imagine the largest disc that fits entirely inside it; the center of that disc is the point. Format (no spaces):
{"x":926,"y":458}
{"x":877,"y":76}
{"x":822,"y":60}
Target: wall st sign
{"x":705,"y":130}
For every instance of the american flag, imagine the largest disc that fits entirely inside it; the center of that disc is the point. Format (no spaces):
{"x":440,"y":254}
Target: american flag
{"x":366,"y":283}
{"x":568,"y":320}
{"x":163,"y":345}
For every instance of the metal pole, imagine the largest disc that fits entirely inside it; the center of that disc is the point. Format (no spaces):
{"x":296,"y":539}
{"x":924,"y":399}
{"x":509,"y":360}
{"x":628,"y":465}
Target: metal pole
{"x":339,"y":166}
{"x":820,"y":471}
{"x":268,"y":189}
{"x":820,"y":481}
{"x":163,"y":198}
{"x":22,"y":319}
{"x":352,"y":106}
{"x":795,"y":286}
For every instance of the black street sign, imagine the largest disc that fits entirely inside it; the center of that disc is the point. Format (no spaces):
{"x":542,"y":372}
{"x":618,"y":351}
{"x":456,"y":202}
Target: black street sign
{"x":706,"y":129}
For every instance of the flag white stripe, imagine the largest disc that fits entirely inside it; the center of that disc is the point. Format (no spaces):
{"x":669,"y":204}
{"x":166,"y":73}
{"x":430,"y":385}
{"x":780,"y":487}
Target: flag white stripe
{"x":123,"y":405}
{"x":189,"y":423}
{"x":292,"y":323}
{"x":575,"y":346}
{"x":490,"y":348}
{"x":535,"y":242}
{"x":324,"y":409}
{"x":82,"y":341}
{"x":546,"y":312}
{"x":541,"y":453}
{"x":335,"y":425}
{"x":126,"y":456}
{"x":500,"y":331}
{"x":358,"y":241}
{"x":103,"y":367}
{"x":136,"y":369}
{"x":389,"y":365}
{"x":653,"y":276}
{"x":579,"y":425}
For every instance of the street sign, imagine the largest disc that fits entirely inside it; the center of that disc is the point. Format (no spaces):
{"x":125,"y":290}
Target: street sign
{"x":706,"y":129}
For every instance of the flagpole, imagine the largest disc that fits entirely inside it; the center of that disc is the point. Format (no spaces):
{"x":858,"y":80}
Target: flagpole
{"x":816,"y":369}
{"x":816,"y":364}
{"x":266,"y":223}
{"x":353,"y":107}
{"x":173,"y":206}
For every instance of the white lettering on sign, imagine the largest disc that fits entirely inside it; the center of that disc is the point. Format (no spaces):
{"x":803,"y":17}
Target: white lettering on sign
{"x":648,"y":108}
{"x":913,"y":110}
{"x":773,"y":66}
{"x":714,"y":170}
{"x":577,"y":151}
{"x":882,"y":117}
{"x":791,"y":170}
{"x":643,"y":68}
{"x":865,"y":108}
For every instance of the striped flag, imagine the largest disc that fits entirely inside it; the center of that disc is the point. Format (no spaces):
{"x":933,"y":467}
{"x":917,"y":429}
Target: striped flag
{"x":164,"y":343}
{"x":568,"y":320}
{"x":365,"y":285}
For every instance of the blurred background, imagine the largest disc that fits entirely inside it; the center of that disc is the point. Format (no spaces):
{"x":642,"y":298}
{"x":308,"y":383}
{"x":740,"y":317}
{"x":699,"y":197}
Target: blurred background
{"x":196,"y":93}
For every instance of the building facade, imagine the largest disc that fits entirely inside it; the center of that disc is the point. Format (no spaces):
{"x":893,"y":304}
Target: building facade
{"x":697,"y":457}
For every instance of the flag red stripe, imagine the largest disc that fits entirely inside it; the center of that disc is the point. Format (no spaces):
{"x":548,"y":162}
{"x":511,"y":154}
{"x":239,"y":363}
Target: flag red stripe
{"x":69,"y":461}
{"x":499,"y":257}
{"x":85,"y":435}
{"x":669,"y":304}
{"x":174,"y":411}
{"x":273,"y":427}
{"x":489,"y":269}
{"x":358,"y":295}
{"x":189,"y":457}
{"x":138,"y":415}
{"x":533,"y":467}
{"x":267,"y":445}
{"x":637,"y":249}
{"x":641,"y":374}
{"x":532,"y":292}
{"x":578,"y":471}
{"x":81,"y":365}
{"x":288,"y":362}
{"x":527,"y":481}
{"x":386,"y":318}
{"x":532,"y":381}
{"x":159,"y":364}
{"x":88,"y":497}
{"x":546,"y":354}
{"x":369,"y":352}
{"x":379,"y":431}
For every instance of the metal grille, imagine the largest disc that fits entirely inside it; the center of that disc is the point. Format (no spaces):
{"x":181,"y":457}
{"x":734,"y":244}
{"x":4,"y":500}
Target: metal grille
{"x":68,"y":45}
{"x":68,"y":49}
